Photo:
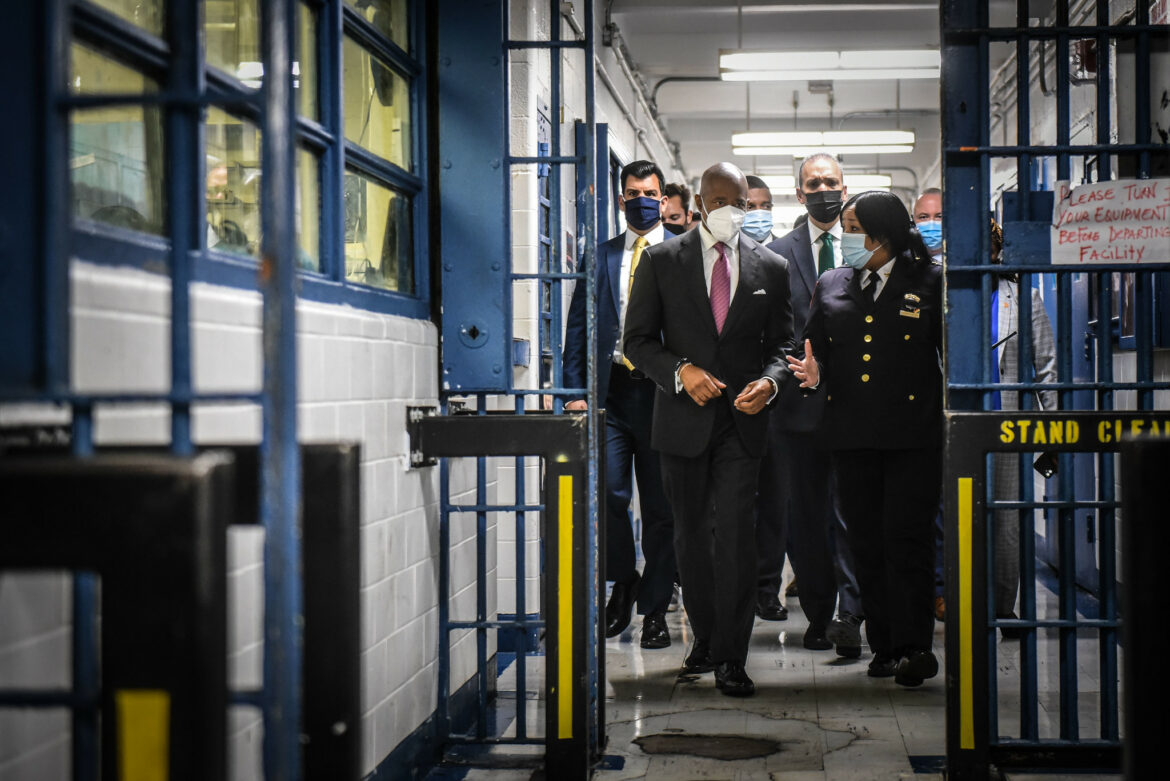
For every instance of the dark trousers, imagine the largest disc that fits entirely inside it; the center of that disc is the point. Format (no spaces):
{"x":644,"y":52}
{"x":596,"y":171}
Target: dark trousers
{"x":772,"y":517}
{"x":801,"y":475}
{"x":629,"y":404}
{"x":848,"y":592}
{"x":713,"y":497}
{"x":888,"y":499}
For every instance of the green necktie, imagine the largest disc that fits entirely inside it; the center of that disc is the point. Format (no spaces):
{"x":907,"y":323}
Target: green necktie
{"x":825,"y":258}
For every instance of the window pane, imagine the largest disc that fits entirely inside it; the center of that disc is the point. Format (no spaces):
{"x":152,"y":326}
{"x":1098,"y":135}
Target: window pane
{"x":378,"y":246}
{"x":233,"y":191}
{"x":308,"y":210}
{"x":147,"y":14}
{"x":232,"y":31}
{"x":377,"y":106}
{"x":388,"y":18}
{"x":116,"y":153}
{"x":233,"y":184}
{"x":305,"y":67}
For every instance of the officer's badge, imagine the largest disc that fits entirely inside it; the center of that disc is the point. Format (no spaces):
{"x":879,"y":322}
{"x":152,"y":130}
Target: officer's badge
{"x":910,"y":306}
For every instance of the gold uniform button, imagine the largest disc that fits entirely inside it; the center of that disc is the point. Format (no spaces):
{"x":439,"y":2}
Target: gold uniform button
{"x":865,"y":357}
{"x":865,"y":378}
{"x":869,"y":338}
{"x":911,"y":397}
{"x":830,"y":398}
{"x":907,"y":337}
{"x":869,"y":318}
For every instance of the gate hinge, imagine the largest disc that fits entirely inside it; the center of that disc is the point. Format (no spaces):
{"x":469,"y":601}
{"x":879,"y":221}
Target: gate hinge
{"x":414,"y":416}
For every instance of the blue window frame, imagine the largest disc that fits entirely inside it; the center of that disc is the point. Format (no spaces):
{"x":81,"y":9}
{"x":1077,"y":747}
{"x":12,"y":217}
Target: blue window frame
{"x":361,"y":134}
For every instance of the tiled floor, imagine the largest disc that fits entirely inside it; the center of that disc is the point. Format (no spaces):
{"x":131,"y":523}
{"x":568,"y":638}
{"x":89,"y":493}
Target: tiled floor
{"x":815,"y":716}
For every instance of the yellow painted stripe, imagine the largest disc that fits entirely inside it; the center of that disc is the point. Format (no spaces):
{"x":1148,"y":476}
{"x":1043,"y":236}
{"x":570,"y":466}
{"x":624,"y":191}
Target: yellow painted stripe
{"x":966,"y":661}
{"x":144,"y":717}
{"x":565,"y":610}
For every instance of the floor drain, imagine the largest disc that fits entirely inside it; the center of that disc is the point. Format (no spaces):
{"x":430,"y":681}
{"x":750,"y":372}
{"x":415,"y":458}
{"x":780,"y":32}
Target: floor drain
{"x":729,"y":747}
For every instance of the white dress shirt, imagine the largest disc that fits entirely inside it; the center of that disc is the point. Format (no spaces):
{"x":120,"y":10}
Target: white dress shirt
{"x":710,"y":255}
{"x":654,"y":236}
{"x":814,"y":238}
{"x":883,"y":273}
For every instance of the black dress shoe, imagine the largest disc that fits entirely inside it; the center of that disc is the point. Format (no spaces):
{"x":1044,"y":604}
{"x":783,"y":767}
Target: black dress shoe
{"x":883,"y":666}
{"x":815,"y":640}
{"x":915,"y":668}
{"x":654,"y":631}
{"x":733,"y":680}
{"x":698,"y":661}
{"x":621,"y":603}
{"x":768,"y":607}
{"x":845,"y":632}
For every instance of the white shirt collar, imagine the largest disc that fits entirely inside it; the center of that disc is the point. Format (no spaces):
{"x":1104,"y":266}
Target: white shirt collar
{"x":814,"y":232}
{"x":654,"y":236}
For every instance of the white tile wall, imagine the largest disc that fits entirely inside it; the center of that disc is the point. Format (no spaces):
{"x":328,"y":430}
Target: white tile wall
{"x":358,"y":371}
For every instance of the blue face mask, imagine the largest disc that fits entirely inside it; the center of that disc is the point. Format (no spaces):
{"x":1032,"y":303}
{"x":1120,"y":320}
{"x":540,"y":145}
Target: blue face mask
{"x":853,"y":250}
{"x":643,"y":213}
{"x":758,"y":224}
{"x":931,"y":231}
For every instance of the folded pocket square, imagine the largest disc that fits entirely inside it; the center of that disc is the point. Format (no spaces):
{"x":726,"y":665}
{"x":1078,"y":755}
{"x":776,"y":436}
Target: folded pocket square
{"x":760,"y":292}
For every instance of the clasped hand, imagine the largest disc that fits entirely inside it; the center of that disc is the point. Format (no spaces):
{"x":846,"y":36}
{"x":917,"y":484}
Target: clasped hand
{"x":702,"y":387}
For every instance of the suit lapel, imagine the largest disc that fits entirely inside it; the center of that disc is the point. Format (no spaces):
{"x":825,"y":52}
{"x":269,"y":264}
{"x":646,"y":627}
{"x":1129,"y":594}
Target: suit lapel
{"x":691,"y":254}
{"x":803,"y":258}
{"x":613,"y":262}
{"x":853,"y":287}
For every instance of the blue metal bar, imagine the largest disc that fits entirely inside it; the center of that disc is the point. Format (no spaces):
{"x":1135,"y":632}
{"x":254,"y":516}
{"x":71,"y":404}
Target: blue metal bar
{"x":1052,"y":149}
{"x":120,"y":37}
{"x":554,"y":159}
{"x":1053,"y":623}
{"x":382,"y":170}
{"x":1050,"y":505}
{"x":595,"y":662}
{"x":280,"y":453}
{"x":545,"y":44}
{"x":1059,"y":386}
{"x":1063,"y":269}
{"x":443,"y":676}
{"x":89,"y":399}
{"x":55,"y":205}
{"x":170,"y":97}
{"x":368,"y":36}
{"x":521,"y":636}
{"x":333,"y":160}
{"x":46,"y":698}
{"x":253,"y":698}
{"x":84,"y":641}
{"x":481,"y":582}
{"x":1141,"y":85}
{"x":1104,"y":88}
{"x":184,"y":212}
{"x":1041,"y":33}
{"x":1062,"y":92}
{"x":548,"y":275}
{"x":497,"y":508}
{"x":519,"y":623}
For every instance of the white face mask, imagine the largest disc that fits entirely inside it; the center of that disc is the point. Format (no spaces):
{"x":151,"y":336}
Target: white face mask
{"x":724,"y":222}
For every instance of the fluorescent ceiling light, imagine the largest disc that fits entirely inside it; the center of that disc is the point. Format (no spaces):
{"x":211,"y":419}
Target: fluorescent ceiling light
{"x":795,"y":61}
{"x":866,"y":74}
{"x":795,"y":151}
{"x":829,"y":138}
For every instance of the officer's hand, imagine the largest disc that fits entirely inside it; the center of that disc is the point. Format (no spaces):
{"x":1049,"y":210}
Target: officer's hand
{"x":753,"y":397}
{"x":807,"y":370}
{"x":577,"y":405}
{"x":699,"y":385}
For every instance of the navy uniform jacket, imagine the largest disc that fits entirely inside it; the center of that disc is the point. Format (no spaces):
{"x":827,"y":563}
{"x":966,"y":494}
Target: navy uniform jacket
{"x":796,"y":409}
{"x":669,"y":319}
{"x":879,"y":360}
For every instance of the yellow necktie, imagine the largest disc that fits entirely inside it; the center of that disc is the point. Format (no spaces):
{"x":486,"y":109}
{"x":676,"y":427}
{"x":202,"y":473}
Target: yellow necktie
{"x":640,"y":244}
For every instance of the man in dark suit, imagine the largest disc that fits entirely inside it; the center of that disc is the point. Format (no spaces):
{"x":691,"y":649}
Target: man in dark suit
{"x":796,"y":496}
{"x":628,"y":398}
{"x":710,"y":322}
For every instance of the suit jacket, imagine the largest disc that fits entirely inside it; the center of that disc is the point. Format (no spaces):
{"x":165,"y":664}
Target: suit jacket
{"x":797,"y":410}
{"x":879,"y":360}
{"x":1043,"y":346}
{"x":608,"y":274}
{"x":669,"y":319}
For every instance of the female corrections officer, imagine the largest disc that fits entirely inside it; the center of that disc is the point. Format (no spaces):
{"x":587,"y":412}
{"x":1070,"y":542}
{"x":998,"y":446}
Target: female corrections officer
{"x":872,"y":345}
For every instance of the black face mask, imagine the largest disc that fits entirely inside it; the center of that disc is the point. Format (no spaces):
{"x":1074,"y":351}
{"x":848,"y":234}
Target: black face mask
{"x":823,"y":205}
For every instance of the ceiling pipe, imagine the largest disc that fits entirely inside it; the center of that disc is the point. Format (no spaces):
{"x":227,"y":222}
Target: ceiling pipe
{"x":617,"y":44}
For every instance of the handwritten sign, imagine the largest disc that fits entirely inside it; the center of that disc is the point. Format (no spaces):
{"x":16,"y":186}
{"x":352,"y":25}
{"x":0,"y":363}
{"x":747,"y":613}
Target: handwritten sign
{"x":1123,"y":221}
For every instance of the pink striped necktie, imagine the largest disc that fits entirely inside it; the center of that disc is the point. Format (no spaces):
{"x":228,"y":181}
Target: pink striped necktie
{"x":720,"y":287}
